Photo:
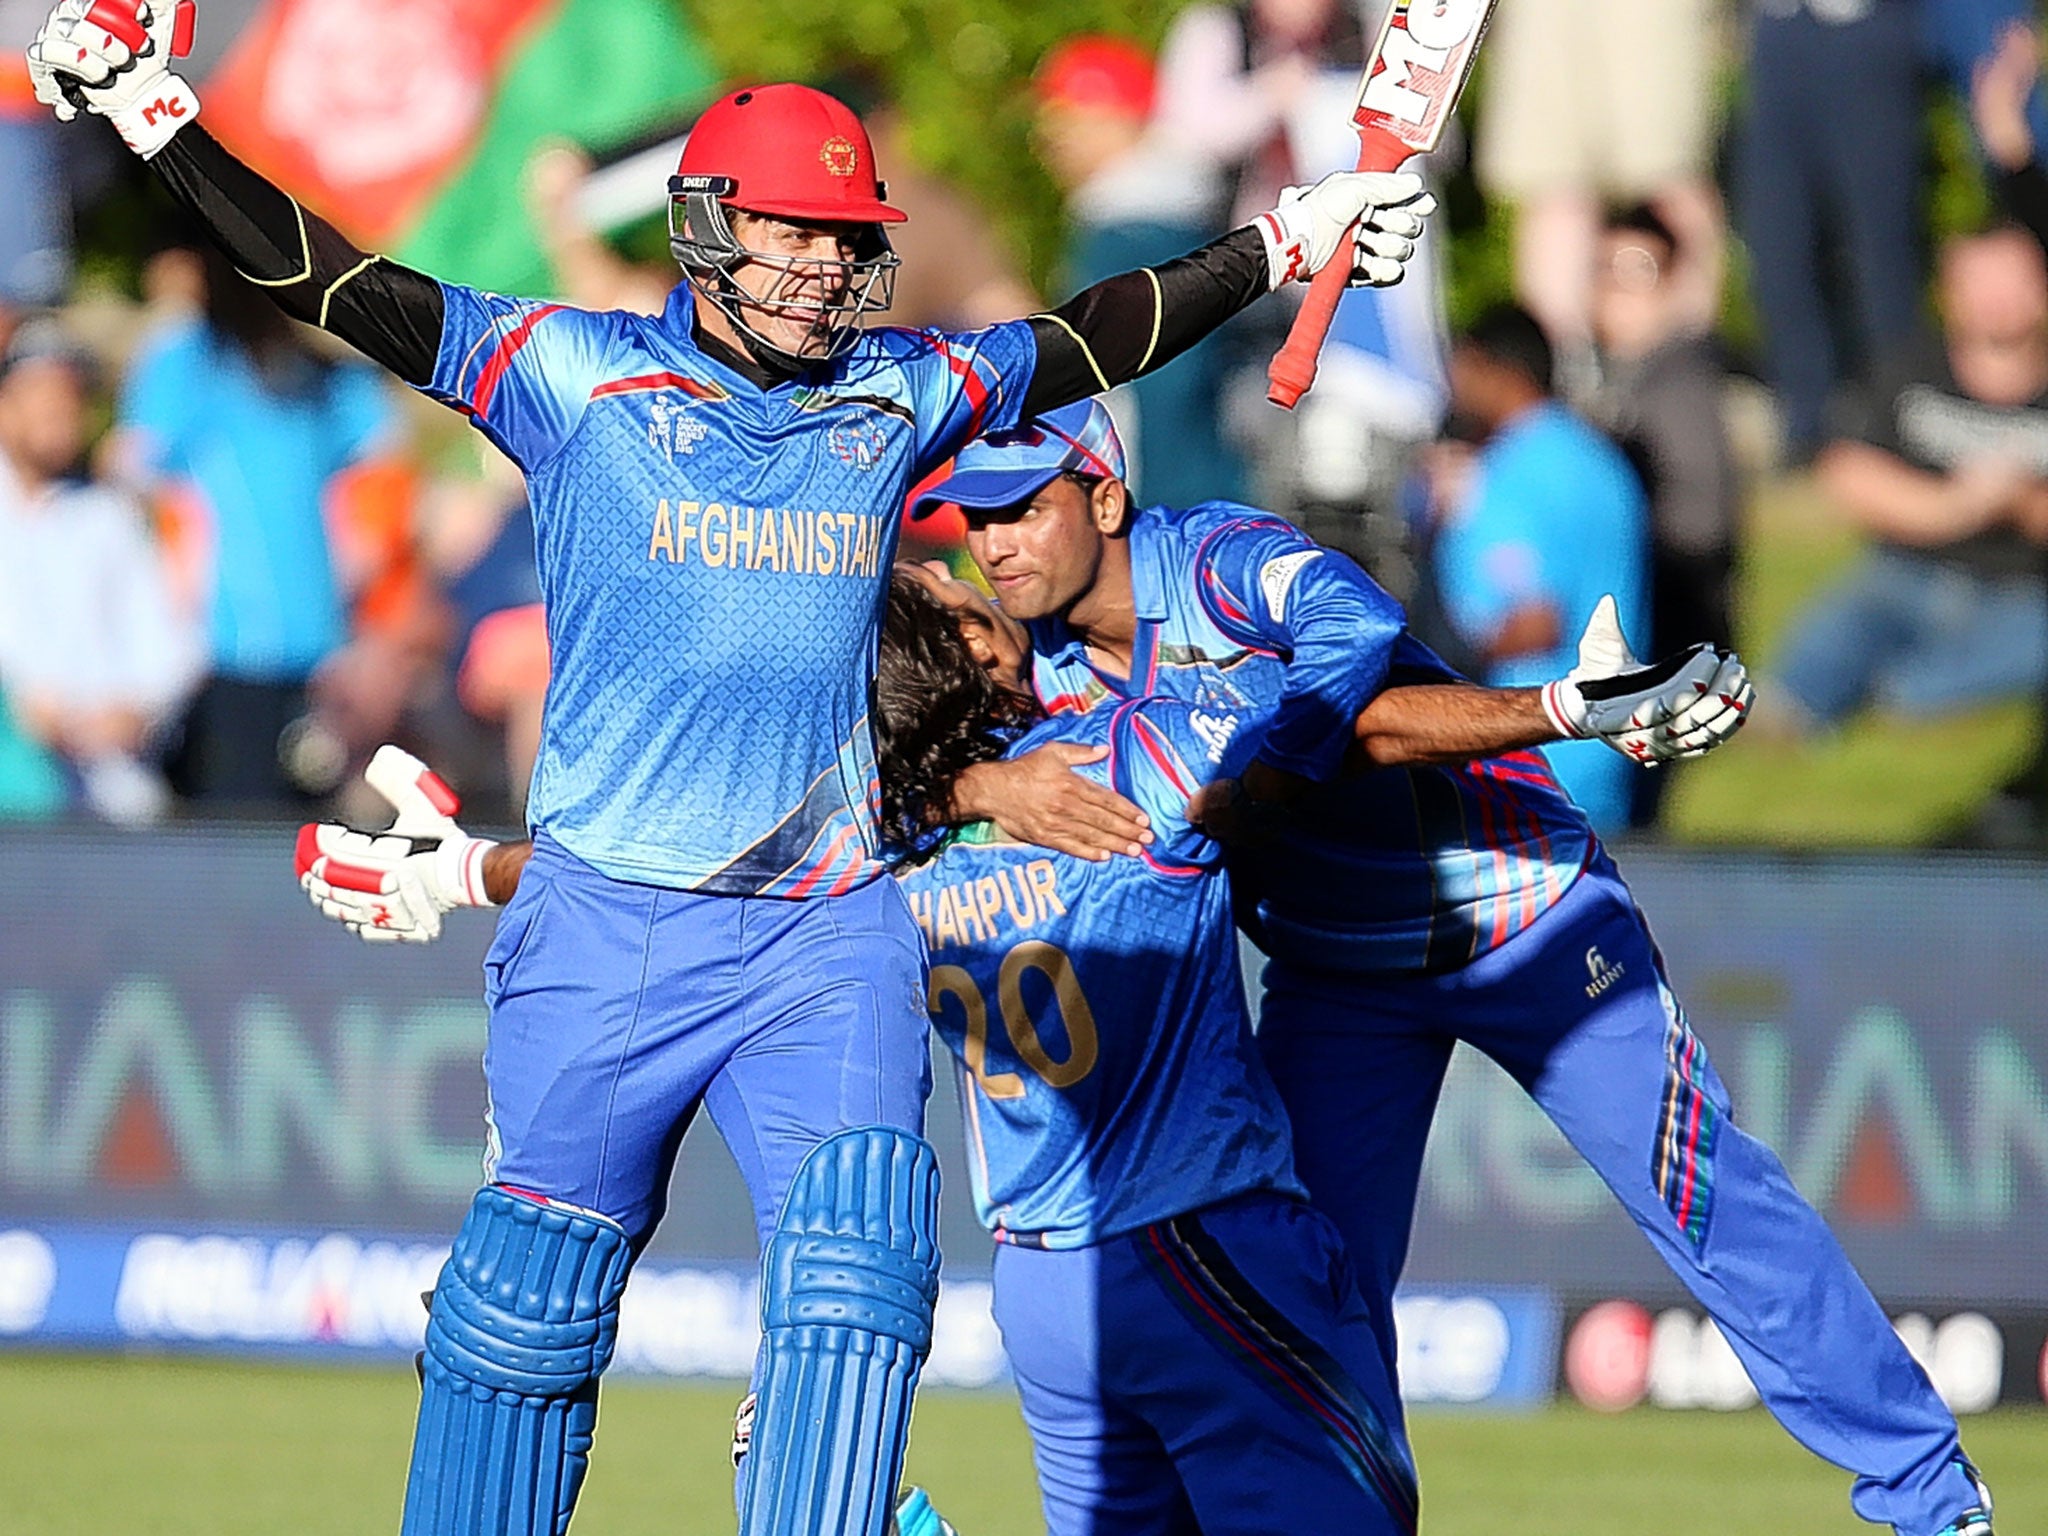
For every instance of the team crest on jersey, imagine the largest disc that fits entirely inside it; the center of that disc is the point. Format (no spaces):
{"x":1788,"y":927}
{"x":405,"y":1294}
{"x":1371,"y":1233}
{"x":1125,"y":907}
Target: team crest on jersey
{"x":672,"y":429}
{"x":839,"y":156}
{"x":860,"y":443}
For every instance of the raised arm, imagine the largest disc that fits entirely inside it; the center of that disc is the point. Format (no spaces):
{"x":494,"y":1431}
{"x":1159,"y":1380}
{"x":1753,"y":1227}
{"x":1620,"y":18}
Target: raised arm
{"x":1129,"y":324}
{"x":114,"y":58}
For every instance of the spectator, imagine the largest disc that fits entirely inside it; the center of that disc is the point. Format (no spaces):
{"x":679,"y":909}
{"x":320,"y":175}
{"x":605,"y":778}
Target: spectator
{"x":1548,"y":518}
{"x":1662,"y":383}
{"x":93,"y":657}
{"x":234,"y":409}
{"x":1828,"y":160}
{"x":1943,"y":461}
{"x":1135,"y":199}
{"x":1585,"y":103}
{"x":1970,"y":36}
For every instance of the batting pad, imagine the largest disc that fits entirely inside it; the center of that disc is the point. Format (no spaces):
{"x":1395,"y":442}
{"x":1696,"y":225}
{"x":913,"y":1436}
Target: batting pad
{"x":847,"y":1289}
{"x":520,"y":1325}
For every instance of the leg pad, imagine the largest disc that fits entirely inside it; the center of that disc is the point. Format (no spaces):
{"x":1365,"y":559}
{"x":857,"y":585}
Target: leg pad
{"x":848,"y":1286}
{"x":520,"y":1327}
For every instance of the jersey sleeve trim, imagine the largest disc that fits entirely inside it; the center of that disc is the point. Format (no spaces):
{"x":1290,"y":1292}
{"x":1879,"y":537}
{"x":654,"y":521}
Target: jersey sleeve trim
{"x":500,"y":360}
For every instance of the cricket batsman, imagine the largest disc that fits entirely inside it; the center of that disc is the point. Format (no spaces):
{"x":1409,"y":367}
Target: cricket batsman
{"x":715,"y":492}
{"x":1439,"y":899}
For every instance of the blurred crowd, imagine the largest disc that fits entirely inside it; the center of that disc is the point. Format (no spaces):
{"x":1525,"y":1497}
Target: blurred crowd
{"x":233,"y":560}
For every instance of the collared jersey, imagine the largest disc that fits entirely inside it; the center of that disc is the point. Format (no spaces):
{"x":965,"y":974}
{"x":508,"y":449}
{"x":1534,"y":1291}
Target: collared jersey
{"x":714,"y":559}
{"x":1397,"y":869}
{"x":1107,"y":1065}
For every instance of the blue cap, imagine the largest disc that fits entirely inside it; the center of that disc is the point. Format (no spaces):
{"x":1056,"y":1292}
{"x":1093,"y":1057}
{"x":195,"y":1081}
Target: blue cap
{"x":1001,"y":469}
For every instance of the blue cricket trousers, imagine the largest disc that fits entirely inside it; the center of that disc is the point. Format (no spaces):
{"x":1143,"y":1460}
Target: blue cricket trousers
{"x":1577,"y":1009}
{"x":616,"y":1009}
{"x":1212,"y":1375}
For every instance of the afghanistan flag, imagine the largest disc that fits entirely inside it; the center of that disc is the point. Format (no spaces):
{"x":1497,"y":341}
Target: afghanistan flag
{"x":407,"y":122}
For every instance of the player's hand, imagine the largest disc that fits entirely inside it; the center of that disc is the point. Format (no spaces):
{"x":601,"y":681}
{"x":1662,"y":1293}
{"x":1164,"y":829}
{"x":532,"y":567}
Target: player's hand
{"x":1682,"y":706}
{"x":113,"y":58}
{"x":1383,"y":210}
{"x":998,"y":642}
{"x":1038,"y":798}
{"x":395,"y":886}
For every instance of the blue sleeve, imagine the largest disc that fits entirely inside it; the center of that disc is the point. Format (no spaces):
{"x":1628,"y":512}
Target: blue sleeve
{"x":1266,"y":584}
{"x":1161,"y":752}
{"x":968,"y":382}
{"x":521,"y":370}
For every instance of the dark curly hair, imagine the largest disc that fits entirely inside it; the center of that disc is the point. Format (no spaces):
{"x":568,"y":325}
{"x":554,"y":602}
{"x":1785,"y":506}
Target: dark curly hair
{"x":936,"y":714}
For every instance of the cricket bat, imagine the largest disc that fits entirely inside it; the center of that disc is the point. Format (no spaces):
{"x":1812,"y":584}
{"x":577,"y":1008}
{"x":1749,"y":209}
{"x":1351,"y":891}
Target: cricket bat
{"x":1413,"y":78}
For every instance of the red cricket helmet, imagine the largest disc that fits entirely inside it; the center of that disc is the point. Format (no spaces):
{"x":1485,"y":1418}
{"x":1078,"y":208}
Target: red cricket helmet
{"x":785,"y":152}
{"x":789,"y":151}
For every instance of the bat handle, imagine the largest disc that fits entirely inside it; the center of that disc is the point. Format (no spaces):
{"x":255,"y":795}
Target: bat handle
{"x":1293,"y":368}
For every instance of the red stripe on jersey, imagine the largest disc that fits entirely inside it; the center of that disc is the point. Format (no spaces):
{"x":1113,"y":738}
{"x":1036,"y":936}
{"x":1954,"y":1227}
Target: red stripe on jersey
{"x":977,"y":392}
{"x":1162,"y":754}
{"x":307,"y":849}
{"x":831,"y":857}
{"x":501,"y":359}
{"x":694,"y":388}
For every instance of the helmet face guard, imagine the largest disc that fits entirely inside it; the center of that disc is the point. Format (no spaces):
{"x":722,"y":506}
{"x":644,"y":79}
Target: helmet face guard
{"x":841,"y":293}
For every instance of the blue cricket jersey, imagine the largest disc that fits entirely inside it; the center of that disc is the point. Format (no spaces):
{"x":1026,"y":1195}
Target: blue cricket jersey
{"x":1397,"y":869}
{"x":714,"y":558}
{"x":1108,"y":1069}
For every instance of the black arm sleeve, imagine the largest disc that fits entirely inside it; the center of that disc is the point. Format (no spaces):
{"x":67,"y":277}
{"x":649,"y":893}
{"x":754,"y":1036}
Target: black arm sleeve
{"x":2024,"y":195}
{"x":1129,"y":324}
{"x":391,"y":314}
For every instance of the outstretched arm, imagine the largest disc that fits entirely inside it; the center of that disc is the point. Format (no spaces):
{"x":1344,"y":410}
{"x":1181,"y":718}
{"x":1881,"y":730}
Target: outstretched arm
{"x":114,"y":58}
{"x":1129,"y":324}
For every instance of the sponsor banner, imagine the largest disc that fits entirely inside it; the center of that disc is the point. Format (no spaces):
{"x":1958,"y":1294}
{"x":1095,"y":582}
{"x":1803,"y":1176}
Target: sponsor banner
{"x":1619,"y":1354}
{"x":1477,"y":1349}
{"x":346,"y":1295}
{"x":261,"y":1070}
{"x":342,"y":1296}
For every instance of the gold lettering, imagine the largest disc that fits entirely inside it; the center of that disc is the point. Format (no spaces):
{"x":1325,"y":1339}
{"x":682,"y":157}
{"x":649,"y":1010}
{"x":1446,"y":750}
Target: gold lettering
{"x":664,"y":534}
{"x":970,"y":917}
{"x":921,"y":913}
{"x":1020,"y":903}
{"x":848,"y":523}
{"x":828,"y":552}
{"x":715,"y":550}
{"x":988,"y":896}
{"x":951,"y":981}
{"x":947,"y":924}
{"x":1075,"y":1014}
{"x":686,"y":530}
{"x":767,"y":552}
{"x":796,"y":543}
{"x":1045,"y":882}
{"x":742,"y":533}
{"x":863,"y":550}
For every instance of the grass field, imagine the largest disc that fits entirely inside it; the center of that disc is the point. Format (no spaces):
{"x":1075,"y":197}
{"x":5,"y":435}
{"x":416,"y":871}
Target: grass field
{"x":150,"y":1447}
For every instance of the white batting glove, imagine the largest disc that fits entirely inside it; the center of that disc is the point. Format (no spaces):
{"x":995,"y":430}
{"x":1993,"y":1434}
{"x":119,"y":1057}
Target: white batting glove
{"x":395,"y":886}
{"x":113,"y":58}
{"x":1304,"y":232}
{"x":1683,"y":706}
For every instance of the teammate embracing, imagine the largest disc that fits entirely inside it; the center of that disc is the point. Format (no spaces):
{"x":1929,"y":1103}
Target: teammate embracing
{"x":1439,"y":899}
{"x":703,"y":923}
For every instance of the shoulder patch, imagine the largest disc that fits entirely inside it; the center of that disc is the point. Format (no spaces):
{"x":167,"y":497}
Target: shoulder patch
{"x":1276,"y":579}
